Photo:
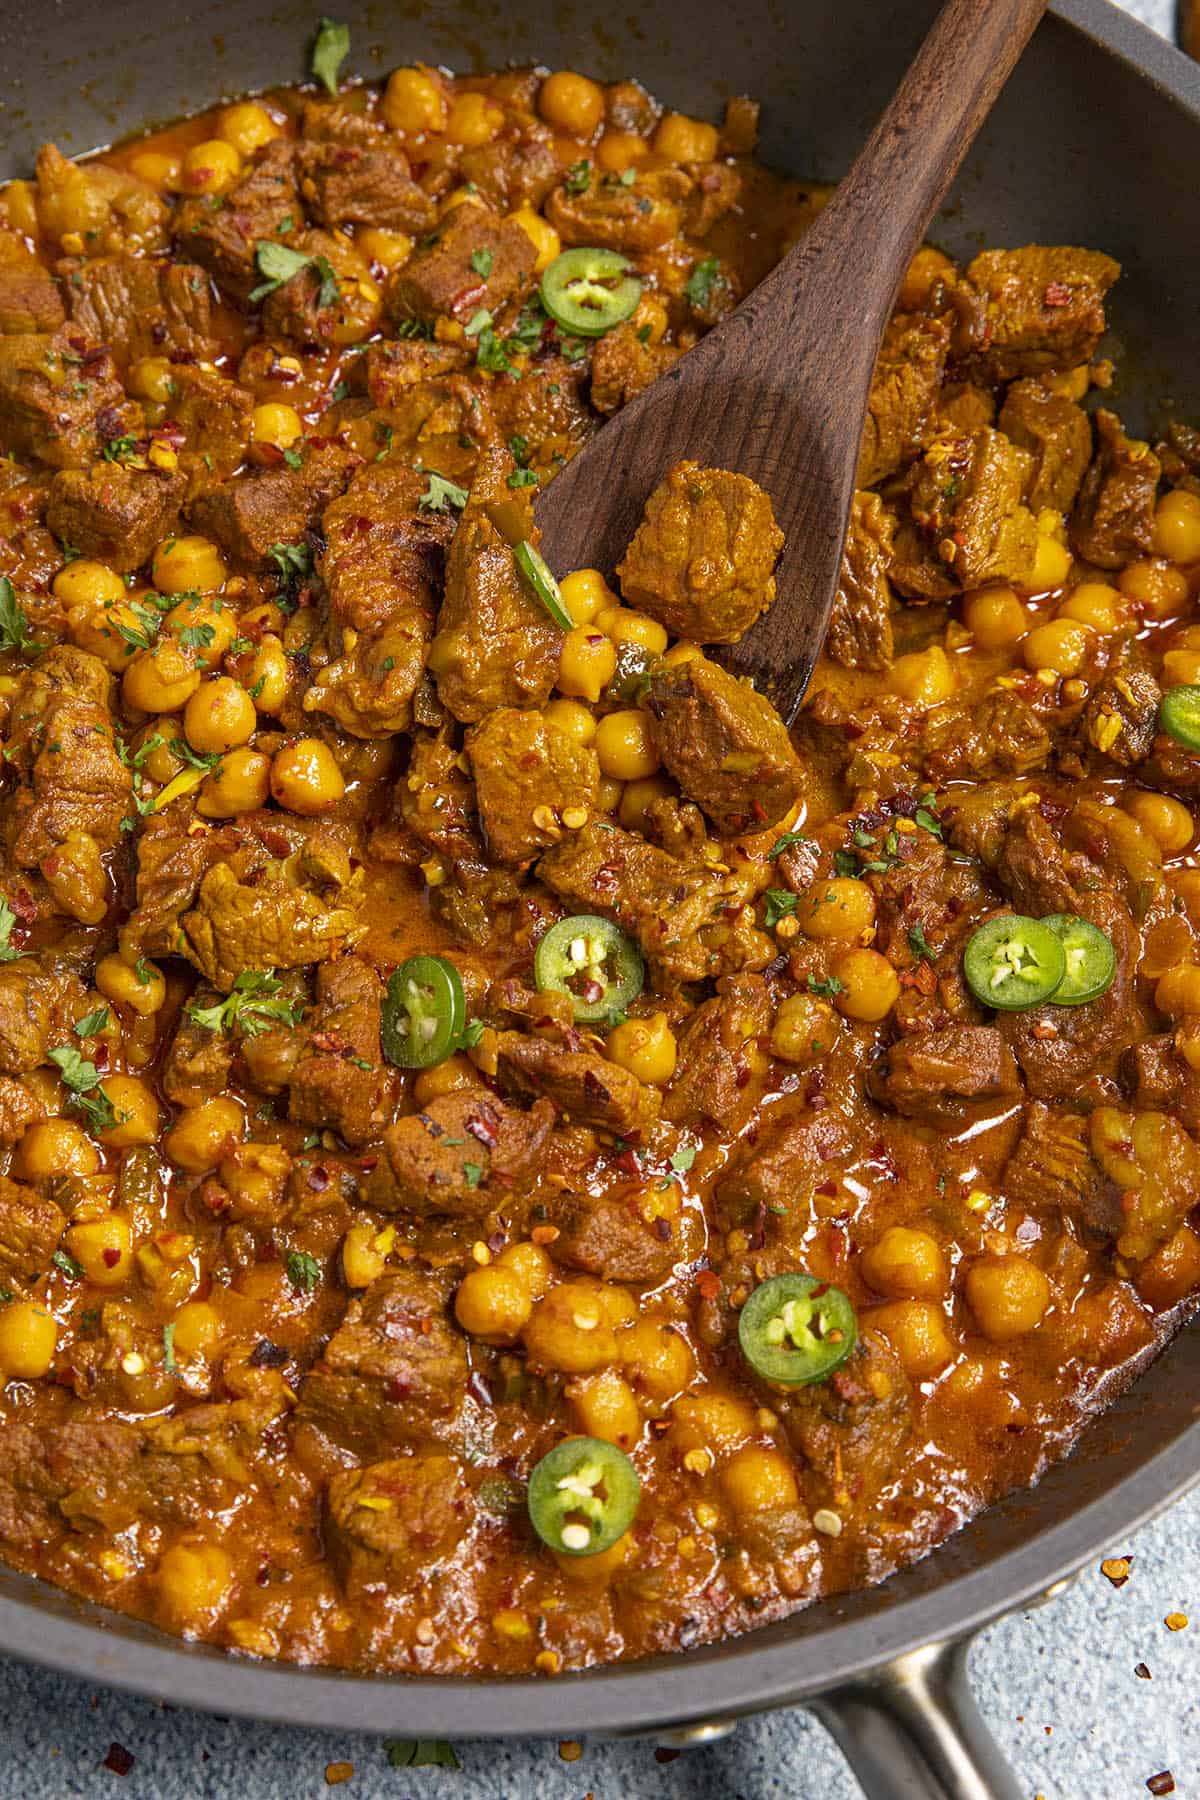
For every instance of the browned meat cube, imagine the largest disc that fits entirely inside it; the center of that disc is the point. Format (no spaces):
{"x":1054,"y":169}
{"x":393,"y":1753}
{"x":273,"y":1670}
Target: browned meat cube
{"x":265,"y":922}
{"x":1002,"y":734}
{"x":30,"y":1227}
{"x":724,"y":744}
{"x":1071,"y":1052}
{"x":852,"y":1430}
{"x":860,"y":624}
{"x":607,"y":1235}
{"x":215,"y":415}
{"x":636,"y":218}
{"x":395,"y":1370}
{"x":19,"y":1108}
{"x":393,"y":370}
{"x":966,"y":498}
{"x":446,"y":278}
{"x":199,"y":1061}
{"x":29,"y":299}
{"x":495,"y":644}
{"x":113,"y":513}
{"x":60,"y":400}
{"x":588,"y":1088}
{"x":511,"y":172}
{"x":250,"y":513}
{"x":135,"y":307}
{"x":345,"y":184}
{"x":171,"y":863}
{"x":390,"y":1521}
{"x":1052,"y":1167}
{"x":938,"y":1076}
{"x":1113,"y":520}
{"x":1120,"y":720}
{"x":37,"y":1011}
{"x":1157,"y":1079}
{"x":341,"y":1082}
{"x":1038,"y":308}
{"x":703,"y":558}
{"x":533,"y":783}
{"x":774,"y":1174}
{"x":622,"y":365}
{"x":437,"y":799}
{"x":462,"y":1157}
{"x":264,"y":203}
{"x":902,"y":410}
{"x":545,"y":408}
{"x":719,"y":1048}
{"x":342,"y":121}
{"x":1056,"y":433}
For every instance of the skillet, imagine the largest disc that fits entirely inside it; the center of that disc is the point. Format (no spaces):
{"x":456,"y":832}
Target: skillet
{"x":1095,"y":142}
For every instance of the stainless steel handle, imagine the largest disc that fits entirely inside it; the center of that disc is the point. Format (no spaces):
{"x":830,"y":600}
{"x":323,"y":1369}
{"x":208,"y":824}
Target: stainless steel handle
{"x":912,"y":1731}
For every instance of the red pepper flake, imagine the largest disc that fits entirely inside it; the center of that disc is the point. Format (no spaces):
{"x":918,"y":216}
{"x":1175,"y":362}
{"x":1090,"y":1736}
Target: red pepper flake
{"x":1116,"y":1569}
{"x":1057,"y":294}
{"x":663,"y":1755}
{"x":120,"y":1761}
{"x":110,"y":1258}
{"x":1142,"y":1672}
{"x":1043,"y":1030}
{"x":1162,"y":1783}
{"x":708,"y":1284}
{"x":318,"y":1178}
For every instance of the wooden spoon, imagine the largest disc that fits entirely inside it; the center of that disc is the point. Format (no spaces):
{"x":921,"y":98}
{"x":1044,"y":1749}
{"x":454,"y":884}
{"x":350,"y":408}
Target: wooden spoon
{"x":779,"y":389}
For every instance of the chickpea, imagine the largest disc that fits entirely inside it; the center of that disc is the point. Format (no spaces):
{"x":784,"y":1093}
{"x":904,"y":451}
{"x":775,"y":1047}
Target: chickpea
{"x":136,"y":1110}
{"x":926,"y":677}
{"x":916,"y":1330}
{"x":363,"y":1260}
{"x":160,"y":680}
{"x":1177,"y":993}
{"x":450,"y":1077}
{"x":28,"y":1340}
{"x":684,"y":140}
{"x":185,"y":565}
{"x":1177,"y":527}
{"x":605,"y":1407}
{"x":219,"y":716}
{"x":1052,"y":558}
{"x":247,"y":126}
{"x":1096,"y":604}
{"x":608,"y":794}
{"x":386,"y":250}
{"x":571,"y":103}
{"x":541,"y":234}
{"x":266,"y":678}
{"x":758,"y":1480}
{"x":624,"y":746}
{"x":712,"y":1421}
{"x":659,"y":1359}
{"x":531,"y":1264}
{"x":646,"y":1047}
{"x":1186,"y":884}
{"x":474,"y":121}
{"x":683,"y":652}
{"x":626,"y":627}
{"x":805,"y":1030}
{"x":586,"y":594}
{"x":995,"y":617}
{"x":210,"y":168}
{"x":54,"y":1147}
{"x":1153,"y":585}
{"x":277,"y":424}
{"x":927,"y":268}
{"x":88,"y":583}
{"x":141,"y":987}
{"x":305,"y":778}
{"x":569,"y":1330}
{"x":413,"y":102}
{"x":210,"y":626}
{"x":637,"y":799}
{"x":840,"y":907}
{"x":195,"y":1583}
{"x":203,"y":1134}
{"x":198,"y":1329}
{"x":1009,"y":1296}
{"x":572,"y":719}
{"x":1181,"y":668}
{"x":103,"y":1248}
{"x":1168,"y":821}
{"x":112,"y":633}
{"x":586,"y":663}
{"x":598,"y":1570}
{"x":157,"y":168}
{"x":911,"y":1265}
{"x":621,"y":150}
{"x":240,"y":782}
{"x":1061,"y":646}
{"x":870,"y":986}
{"x":1172,"y":1272}
{"x":151,"y":378}
{"x":18,"y":205}
{"x":493,"y":1303}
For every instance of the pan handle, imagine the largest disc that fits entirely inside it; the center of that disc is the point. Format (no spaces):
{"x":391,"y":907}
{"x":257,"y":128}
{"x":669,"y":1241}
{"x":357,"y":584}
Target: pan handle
{"x":911,"y":1730}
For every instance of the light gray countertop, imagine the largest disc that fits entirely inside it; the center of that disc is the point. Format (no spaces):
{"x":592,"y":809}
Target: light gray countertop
{"x":1058,"y":1687}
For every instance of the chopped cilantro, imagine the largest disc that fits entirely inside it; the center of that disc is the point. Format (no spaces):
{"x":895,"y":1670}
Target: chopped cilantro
{"x":699,"y":285}
{"x":255,"y":1003}
{"x":279,"y":264}
{"x":578,"y":177}
{"x":683,"y":1158}
{"x":8,"y":919}
{"x":293,"y":561}
{"x":522,"y":478}
{"x":84,"y":1081}
{"x":473,"y":1173}
{"x":303,"y":1271}
{"x":441,"y":493}
{"x":779,"y":904}
{"x":919,"y":944}
{"x":827,"y":988}
{"x":481,"y":262}
{"x":70,"y":1268}
{"x":93,"y":1023}
{"x":785,"y":843}
{"x":329,"y":52}
{"x":197,"y":637}
{"x":14,"y":626}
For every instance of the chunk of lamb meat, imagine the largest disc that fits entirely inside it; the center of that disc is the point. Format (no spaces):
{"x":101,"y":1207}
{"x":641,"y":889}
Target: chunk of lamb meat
{"x":942,"y":1077}
{"x":1001,"y":734}
{"x":171,"y":863}
{"x":677,"y":910}
{"x":38,"y":1008}
{"x":776,"y":1167}
{"x":638,"y":217}
{"x":1113,"y":520}
{"x":214,"y":414}
{"x":966,"y":498}
{"x":392,"y":369}
{"x":546,"y":408}
{"x":442,"y":279}
{"x":718,"y":1049}
{"x":495,"y":644}
{"x":1031,"y":310}
{"x":29,"y":298}
{"x":341,"y":121}
{"x":607,"y":1235}
{"x":224,"y":239}
{"x":30,"y":1227}
{"x":1052,"y":1165}
{"x":860,"y":624}
{"x":622,"y":365}
{"x":250,"y":513}
{"x":1155,"y":1167}
{"x":852,"y":1430}
{"x":533,"y":783}
{"x":394,"y":1520}
{"x":136,"y":307}
{"x":587,"y":1087}
{"x":725,"y":745}
{"x":60,"y":399}
{"x":1120,"y":720}
{"x":394,"y":1372}
{"x":702,"y":560}
{"x":19,"y":1108}
{"x":462,"y":1157}
{"x":265,"y":922}
{"x":902,"y":409}
{"x":308,"y":307}
{"x":1058,"y":436}
{"x":510,"y":172}
{"x":115,"y":514}
{"x":199,"y":1061}
{"x":351,"y":184}
{"x":341,"y":1082}
{"x":1159,"y":1079}
{"x":381,"y":566}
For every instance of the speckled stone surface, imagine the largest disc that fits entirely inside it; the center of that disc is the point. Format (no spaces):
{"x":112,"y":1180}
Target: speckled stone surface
{"x":1058,"y":1687}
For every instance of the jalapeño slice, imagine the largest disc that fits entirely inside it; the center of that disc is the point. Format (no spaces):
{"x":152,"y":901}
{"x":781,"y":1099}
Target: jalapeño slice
{"x":424,"y":1013}
{"x":795,"y":1329}
{"x":583,"y":1496}
{"x":1091,"y":959}
{"x":531,"y":566}
{"x":588,"y":290}
{"x":1013,"y":962}
{"x":1179,"y":716}
{"x":590,"y":960}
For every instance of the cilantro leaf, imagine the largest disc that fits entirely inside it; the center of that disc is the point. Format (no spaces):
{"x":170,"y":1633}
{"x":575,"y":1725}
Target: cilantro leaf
{"x":919,"y":944}
{"x":827,"y":988}
{"x":66,"y":1263}
{"x":522,"y":478}
{"x":197,"y":637}
{"x":481,"y":262}
{"x":683,"y":1158}
{"x":93,"y":1023}
{"x":303,"y":1271}
{"x":780,"y":902}
{"x":8,"y":919}
{"x":330,"y":288}
{"x":195,"y":759}
{"x":472,"y":1031}
{"x":441,"y":493}
{"x":699,"y":285}
{"x":84,"y":1081}
{"x":329,"y":52}
{"x":579,"y":176}
{"x":14,"y":626}
{"x":278,"y":263}
{"x":473,"y":1173}
{"x":169,"y":1348}
{"x":293,"y":561}
{"x":255,"y":1003}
